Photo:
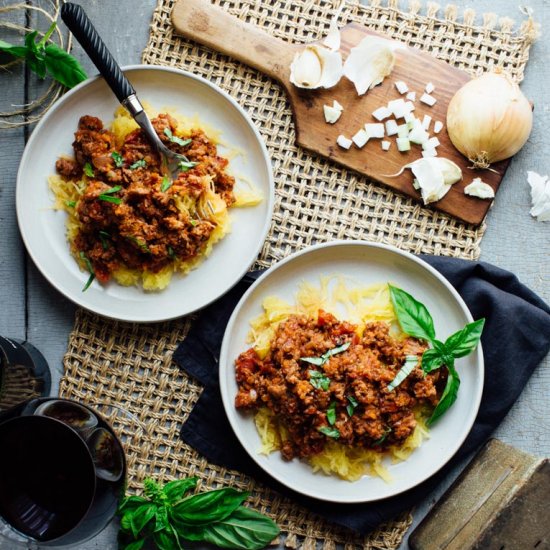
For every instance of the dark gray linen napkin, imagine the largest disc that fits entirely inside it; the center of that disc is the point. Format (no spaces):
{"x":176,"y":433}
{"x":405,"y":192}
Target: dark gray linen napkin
{"x":515,"y":339}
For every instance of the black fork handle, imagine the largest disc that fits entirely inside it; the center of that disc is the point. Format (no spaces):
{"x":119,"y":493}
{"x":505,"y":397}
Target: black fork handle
{"x":83,"y":30}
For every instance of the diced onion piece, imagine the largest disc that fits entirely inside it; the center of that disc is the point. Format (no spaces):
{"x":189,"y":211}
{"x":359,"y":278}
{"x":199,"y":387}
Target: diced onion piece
{"x":337,"y":105}
{"x":409,"y":118}
{"x":426,"y":121}
{"x":397,"y":107}
{"x":416,"y":124}
{"x":419,"y":136}
{"x":360,"y":138}
{"x":382,"y":113}
{"x":480,"y":189}
{"x":429,"y":88}
{"x":409,"y":106}
{"x":331,"y":114}
{"x":391,"y":127}
{"x":430,"y":152}
{"x":403,"y":144}
{"x":416,"y":185}
{"x":432,"y":143}
{"x":438,"y":126}
{"x":403,"y":131}
{"x":411,"y":96}
{"x":428,"y":100}
{"x":385,"y":145}
{"x":375,"y":130}
{"x":402,"y":87}
{"x":343,"y":141}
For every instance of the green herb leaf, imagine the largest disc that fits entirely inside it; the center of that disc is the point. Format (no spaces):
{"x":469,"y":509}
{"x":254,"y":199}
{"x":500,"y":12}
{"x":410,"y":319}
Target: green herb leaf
{"x":208,"y":507}
{"x":104,"y":236}
{"x":352,"y":405}
{"x":186,"y":165}
{"x":383,"y":438}
{"x":319,"y":380}
{"x":448,"y":397}
{"x":161,"y":519}
{"x":16,"y":51}
{"x":112,"y":190}
{"x":141,"y":163}
{"x":166,"y":540}
{"x":166,"y":184}
{"x":464,"y":341}
{"x":171,"y":253}
{"x":320,"y":361}
{"x":317,"y":361}
{"x":89,"y":170}
{"x":117,"y":157}
{"x":134,"y":545}
{"x":109,"y":198}
{"x":413,"y":316}
{"x":432,"y":359}
{"x":193,"y":223}
{"x":131,"y":503}
{"x":63,"y":67}
{"x":141,"y":517}
{"x":176,"y":139}
{"x":244,"y":529}
{"x":331,"y":413}
{"x":90,"y":269}
{"x":70,"y":204}
{"x":410,"y":363}
{"x":139,"y":243}
{"x":175,"y":490}
{"x":329,"y":432}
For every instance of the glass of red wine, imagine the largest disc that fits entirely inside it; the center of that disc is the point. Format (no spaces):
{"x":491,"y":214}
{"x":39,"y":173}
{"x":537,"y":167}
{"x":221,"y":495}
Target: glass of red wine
{"x":62,"y":472}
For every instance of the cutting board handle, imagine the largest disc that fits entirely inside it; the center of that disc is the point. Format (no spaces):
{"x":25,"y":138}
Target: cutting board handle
{"x":210,"y":25}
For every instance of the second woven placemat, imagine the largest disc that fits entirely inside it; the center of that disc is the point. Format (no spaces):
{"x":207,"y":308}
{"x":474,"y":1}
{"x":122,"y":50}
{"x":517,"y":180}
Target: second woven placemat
{"x":130,"y":365}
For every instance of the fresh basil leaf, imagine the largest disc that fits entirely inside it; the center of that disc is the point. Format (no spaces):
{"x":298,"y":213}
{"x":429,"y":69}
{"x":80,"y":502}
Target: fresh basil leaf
{"x":131,"y":502}
{"x":16,"y":51}
{"x":141,"y":516}
{"x":166,"y":184}
{"x":171,"y":253}
{"x":161,"y":519}
{"x":175,"y":490}
{"x":176,"y":139}
{"x":413,"y":316}
{"x":32,"y":46}
{"x":103,"y":237}
{"x":167,"y":540}
{"x":126,"y":521}
{"x":89,"y":170}
{"x":134,"y":545}
{"x":141,"y":244}
{"x":410,"y":363}
{"x":318,"y":380}
{"x":352,"y":405}
{"x":317,"y":361}
{"x":117,"y":157}
{"x":464,"y":341}
{"x":432,"y":359}
{"x":63,"y":67}
{"x":90,"y":269}
{"x":70,"y":204}
{"x":448,"y":397}
{"x":329,"y":432}
{"x":244,"y":529}
{"x":383,"y":438}
{"x":112,"y":190}
{"x":141,"y":163}
{"x":208,"y":507}
{"x":331,"y":413}
{"x":336,"y":350}
{"x":186,"y":165}
{"x":109,"y":198}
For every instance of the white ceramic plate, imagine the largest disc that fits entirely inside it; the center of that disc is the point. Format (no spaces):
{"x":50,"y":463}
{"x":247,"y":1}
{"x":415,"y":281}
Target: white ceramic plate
{"x":43,"y":229}
{"x":367,"y":264}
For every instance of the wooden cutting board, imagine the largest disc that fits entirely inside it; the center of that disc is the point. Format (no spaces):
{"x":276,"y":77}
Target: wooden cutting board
{"x":202,"y":22}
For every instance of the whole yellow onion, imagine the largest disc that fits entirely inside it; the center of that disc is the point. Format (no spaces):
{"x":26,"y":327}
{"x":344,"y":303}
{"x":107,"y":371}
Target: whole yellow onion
{"x":489,"y":119}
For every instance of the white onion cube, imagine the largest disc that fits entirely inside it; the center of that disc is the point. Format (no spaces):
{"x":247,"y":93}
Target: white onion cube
{"x":403,"y":144}
{"x":438,"y":126}
{"x":403,"y":131}
{"x":385,"y":145}
{"x":411,"y":96}
{"x":429,"y":88}
{"x":360,"y":138}
{"x":391,"y":127}
{"x":427,"y":153}
{"x":337,"y":105}
{"x":375,"y":130}
{"x":343,"y":141}
{"x":381,"y":113}
{"x":409,"y":106}
{"x":432,"y":143}
{"x":428,"y":100}
{"x":402,"y":87}
{"x":426,"y":121}
{"x":409,"y":118}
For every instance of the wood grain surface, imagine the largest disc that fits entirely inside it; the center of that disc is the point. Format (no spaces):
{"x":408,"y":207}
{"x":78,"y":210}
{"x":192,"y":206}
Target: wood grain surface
{"x":31,"y":308}
{"x":202,"y":22}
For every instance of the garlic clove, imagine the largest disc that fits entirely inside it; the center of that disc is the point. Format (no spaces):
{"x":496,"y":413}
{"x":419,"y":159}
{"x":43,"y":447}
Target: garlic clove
{"x":316,"y":67}
{"x":480,"y":189}
{"x":451,"y":171}
{"x":540,"y":196}
{"x":332,"y":39}
{"x":369,"y":63}
{"x":331,"y":114}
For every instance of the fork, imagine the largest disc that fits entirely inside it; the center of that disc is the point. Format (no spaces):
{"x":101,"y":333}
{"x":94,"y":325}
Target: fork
{"x":84,"y":31}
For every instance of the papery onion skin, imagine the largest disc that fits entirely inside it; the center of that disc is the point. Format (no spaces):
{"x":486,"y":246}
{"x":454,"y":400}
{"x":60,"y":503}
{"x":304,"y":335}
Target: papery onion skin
{"x":489,"y":119}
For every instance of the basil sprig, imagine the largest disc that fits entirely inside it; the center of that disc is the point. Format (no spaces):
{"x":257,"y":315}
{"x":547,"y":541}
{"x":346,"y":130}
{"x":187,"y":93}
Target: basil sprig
{"x":167,"y":515}
{"x":43,"y":58}
{"x":320,"y":361}
{"x":175,"y":139}
{"x":415,"y":320}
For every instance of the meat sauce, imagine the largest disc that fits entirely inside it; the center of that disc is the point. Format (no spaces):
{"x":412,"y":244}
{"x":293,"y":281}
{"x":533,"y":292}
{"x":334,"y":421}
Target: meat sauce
{"x":142,"y":228}
{"x":357,"y":376}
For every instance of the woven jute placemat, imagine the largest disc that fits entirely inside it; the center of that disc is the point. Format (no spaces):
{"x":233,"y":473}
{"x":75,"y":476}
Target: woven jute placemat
{"x":130,"y":365}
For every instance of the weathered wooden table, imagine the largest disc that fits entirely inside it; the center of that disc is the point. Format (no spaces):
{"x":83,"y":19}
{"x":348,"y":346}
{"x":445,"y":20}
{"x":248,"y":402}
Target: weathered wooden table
{"x":30,"y":308}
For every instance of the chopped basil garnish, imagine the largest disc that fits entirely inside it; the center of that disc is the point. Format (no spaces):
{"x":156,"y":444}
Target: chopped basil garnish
{"x":139,"y":243}
{"x":352,"y":405}
{"x":117,"y":157}
{"x":176,"y":139}
{"x":193,"y":222}
{"x":381,"y":440}
{"x":171,"y":253}
{"x":331,"y":413}
{"x":90,"y":269}
{"x":329,"y":431}
{"x":166,"y":184}
{"x":88,"y":170}
{"x":104,"y":236}
{"x":318,"y":380}
{"x":186,"y":165}
{"x":141,"y":163}
{"x":320,"y":361}
{"x":107,"y":195}
{"x":410,"y":362}
{"x":70,"y":204}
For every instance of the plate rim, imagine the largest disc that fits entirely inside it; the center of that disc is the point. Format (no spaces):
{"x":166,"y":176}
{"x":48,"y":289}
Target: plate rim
{"x":19,"y":202}
{"x":227,"y":402}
